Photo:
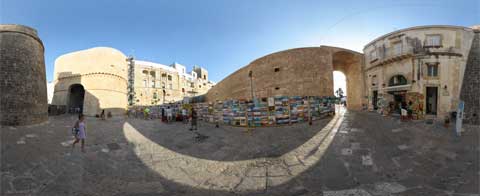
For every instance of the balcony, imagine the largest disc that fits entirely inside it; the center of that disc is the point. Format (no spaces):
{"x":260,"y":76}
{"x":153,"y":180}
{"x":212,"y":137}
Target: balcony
{"x":389,"y":55}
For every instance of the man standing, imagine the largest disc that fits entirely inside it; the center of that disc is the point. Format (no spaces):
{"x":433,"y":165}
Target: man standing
{"x":184,"y":115}
{"x":169,"y":114}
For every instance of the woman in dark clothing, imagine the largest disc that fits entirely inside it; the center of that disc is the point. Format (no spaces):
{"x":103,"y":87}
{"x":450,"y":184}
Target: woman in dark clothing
{"x":194,"y":120}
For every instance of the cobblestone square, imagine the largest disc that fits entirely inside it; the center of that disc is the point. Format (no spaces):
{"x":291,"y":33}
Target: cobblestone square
{"x":148,"y":157}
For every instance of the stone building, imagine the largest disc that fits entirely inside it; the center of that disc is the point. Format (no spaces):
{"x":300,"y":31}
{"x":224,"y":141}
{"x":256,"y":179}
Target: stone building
{"x":157,"y":83}
{"x":97,"y":79}
{"x":91,"y":80}
{"x":423,"y":65}
{"x":295,"y":72}
{"x":23,"y":88}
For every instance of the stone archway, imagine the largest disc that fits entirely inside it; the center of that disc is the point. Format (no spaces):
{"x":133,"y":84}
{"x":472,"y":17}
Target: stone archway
{"x":76,"y":98}
{"x":350,"y":64}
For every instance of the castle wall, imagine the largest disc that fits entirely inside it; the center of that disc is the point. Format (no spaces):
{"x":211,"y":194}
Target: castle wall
{"x":101,"y":71}
{"x":295,"y":72}
{"x":23,"y":88}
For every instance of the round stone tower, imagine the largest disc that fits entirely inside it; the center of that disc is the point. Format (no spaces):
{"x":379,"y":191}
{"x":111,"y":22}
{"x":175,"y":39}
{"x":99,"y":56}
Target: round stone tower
{"x":23,"y":86}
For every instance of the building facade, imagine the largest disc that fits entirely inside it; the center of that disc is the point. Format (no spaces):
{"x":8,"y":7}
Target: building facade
{"x":157,"y":83}
{"x":423,"y":66}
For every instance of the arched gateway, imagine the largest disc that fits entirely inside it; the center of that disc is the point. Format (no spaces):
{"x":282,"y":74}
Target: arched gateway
{"x":295,"y":72}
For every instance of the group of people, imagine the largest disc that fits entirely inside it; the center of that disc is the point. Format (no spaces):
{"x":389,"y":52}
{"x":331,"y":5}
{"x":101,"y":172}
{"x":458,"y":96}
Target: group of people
{"x":80,"y":133}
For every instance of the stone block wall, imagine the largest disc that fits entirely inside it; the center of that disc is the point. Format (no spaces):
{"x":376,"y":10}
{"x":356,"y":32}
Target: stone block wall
{"x":470,"y":92}
{"x":23,"y":86}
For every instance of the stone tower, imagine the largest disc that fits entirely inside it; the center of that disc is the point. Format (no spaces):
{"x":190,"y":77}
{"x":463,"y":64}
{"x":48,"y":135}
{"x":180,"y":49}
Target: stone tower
{"x":23,"y":86}
{"x":471,"y":82}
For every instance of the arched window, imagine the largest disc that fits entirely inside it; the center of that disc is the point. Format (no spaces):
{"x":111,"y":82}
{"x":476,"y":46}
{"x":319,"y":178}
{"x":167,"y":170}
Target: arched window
{"x":169,"y":77}
{"x":397,"y":80}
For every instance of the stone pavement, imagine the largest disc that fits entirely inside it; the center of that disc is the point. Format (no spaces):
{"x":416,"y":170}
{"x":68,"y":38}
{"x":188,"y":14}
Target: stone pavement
{"x":353,"y":153}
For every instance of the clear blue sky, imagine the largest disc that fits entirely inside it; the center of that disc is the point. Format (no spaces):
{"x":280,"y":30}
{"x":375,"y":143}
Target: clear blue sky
{"x":222,"y":35}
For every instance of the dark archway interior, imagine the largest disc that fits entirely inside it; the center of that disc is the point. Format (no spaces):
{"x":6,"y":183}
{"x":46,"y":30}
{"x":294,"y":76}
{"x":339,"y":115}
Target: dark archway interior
{"x":77,"y":95}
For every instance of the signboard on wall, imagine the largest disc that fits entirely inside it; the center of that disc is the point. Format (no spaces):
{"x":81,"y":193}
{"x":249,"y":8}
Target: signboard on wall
{"x":458,"y":127}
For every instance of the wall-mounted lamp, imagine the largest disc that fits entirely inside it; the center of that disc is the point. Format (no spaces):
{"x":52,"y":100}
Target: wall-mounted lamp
{"x":445,"y":87}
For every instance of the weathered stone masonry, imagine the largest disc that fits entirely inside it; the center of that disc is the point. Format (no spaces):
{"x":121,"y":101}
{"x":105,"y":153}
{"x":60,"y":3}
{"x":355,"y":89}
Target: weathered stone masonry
{"x":471,"y":83}
{"x":23,"y":90}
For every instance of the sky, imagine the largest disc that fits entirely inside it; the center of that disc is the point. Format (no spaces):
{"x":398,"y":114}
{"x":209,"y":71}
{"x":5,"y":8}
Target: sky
{"x":222,"y":35}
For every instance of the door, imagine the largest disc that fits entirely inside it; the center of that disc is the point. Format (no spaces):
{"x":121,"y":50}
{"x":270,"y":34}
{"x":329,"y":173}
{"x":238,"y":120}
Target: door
{"x":432,"y":96}
{"x":375,"y":100}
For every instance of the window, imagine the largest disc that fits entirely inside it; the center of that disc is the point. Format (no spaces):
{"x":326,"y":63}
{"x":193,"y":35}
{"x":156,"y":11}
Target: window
{"x":164,"y":75}
{"x":158,"y":85}
{"x":373,"y":55}
{"x":397,"y":49}
{"x":199,"y":86}
{"x":192,"y":85}
{"x":433,"y":40}
{"x":374,"y":80}
{"x":153,"y":83}
{"x":432,"y":69}
{"x":277,"y":69}
{"x":204,"y":77}
{"x":145,"y":83}
{"x":397,"y":80}
{"x":170,"y":77}
{"x":155,"y":95}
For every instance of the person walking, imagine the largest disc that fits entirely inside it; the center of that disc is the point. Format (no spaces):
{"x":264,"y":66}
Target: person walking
{"x":169,"y":114}
{"x":80,"y":132}
{"x":146,"y":113}
{"x":194,"y":120}
{"x":184,"y":116}
{"x":102,"y":115}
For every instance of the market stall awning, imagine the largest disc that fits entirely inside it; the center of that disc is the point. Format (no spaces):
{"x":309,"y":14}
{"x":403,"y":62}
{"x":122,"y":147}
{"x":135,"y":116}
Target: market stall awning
{"x":405,"y":87}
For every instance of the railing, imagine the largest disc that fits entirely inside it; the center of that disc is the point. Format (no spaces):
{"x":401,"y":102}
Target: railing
{"x":388,"y":55}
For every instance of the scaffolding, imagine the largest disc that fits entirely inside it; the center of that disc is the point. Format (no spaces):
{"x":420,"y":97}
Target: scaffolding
{"x":131,"y":80}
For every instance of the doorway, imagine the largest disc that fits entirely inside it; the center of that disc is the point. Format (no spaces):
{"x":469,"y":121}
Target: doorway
{"x":75,"y":100}
{"x":431,"y":102}
{"x":398,"y":100}
{"x":375,"y":100}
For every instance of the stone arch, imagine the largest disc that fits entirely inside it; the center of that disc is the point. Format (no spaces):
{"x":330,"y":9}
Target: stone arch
{"x":76,"y":97}
{"x":350,"y":63}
